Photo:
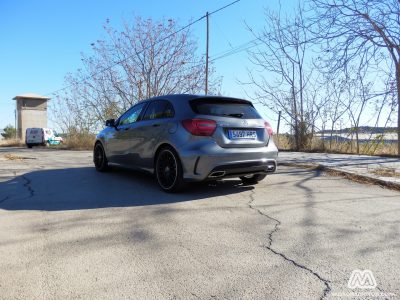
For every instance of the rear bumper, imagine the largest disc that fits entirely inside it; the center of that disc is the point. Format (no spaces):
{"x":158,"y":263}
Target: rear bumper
{"x":202,"y":162}
{"x":242,"y":169}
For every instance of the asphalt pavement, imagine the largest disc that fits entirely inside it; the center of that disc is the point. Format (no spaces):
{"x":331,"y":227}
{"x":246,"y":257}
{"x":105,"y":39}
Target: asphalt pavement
{"x":69,"y":232}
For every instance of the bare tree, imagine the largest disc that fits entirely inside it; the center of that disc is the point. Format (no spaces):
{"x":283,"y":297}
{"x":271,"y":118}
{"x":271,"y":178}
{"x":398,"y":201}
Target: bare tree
{"x":389,"y":102}
{"x":333,"y":109}
{"x":355,"y":98}
{"x":145,"y":59}
{"x":362,"y":32}
{"x":283,"y":77}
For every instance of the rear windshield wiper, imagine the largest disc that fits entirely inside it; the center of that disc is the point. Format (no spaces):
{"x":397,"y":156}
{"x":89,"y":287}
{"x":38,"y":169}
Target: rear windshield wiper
{"x":238,"y":115}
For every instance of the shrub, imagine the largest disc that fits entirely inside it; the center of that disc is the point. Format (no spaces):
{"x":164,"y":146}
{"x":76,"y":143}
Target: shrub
{"x":79,"y":141}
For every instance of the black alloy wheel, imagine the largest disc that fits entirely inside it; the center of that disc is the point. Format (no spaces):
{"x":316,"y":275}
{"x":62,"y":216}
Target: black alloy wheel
{"x":99,"y":158}
{"x":169,"y":170}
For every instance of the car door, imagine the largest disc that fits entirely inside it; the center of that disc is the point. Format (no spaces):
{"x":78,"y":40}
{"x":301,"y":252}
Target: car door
{"x":153,"y":127}
{"x":119,"y":144}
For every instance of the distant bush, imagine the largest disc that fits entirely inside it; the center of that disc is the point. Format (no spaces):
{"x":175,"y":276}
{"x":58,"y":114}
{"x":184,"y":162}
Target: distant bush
{"x":11,"y":143}
{"x":286,"y":142}
{"x":9,"y":132}
{"x":79,"y":141}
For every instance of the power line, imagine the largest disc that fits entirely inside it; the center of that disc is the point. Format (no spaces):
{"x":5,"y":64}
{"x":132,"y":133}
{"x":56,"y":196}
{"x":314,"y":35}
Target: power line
{"x":243,"y":47}
{"x":160,"y":41}
{"x":240,"y":48}
{"x":219,"y":9}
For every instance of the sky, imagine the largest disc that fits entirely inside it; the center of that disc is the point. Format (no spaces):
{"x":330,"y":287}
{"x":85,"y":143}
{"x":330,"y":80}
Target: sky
{"x":42,"y":41}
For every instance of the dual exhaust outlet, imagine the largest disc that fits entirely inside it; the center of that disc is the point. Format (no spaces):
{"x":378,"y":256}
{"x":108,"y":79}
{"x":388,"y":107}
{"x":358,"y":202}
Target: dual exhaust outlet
{"x":269,"y":168}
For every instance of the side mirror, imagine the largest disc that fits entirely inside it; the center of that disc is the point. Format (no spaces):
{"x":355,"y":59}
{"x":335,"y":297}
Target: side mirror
{"x":110,"y":123}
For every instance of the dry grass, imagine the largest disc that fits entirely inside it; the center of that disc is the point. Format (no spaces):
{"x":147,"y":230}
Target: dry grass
{"x":79,"y":141}
{"x":11,"y":156}
{"x":317,"y":145}
{"x":386,"y":172}
{"x":12,"y":143}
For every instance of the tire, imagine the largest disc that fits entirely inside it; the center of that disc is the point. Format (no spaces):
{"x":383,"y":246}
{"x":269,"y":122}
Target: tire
{"x":253,"y":179}
{"x":29,"y":146}
{"x":100,"y":159}
{"x":168,"y":170}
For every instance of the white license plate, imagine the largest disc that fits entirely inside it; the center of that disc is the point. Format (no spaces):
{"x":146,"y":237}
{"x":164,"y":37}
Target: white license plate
{"x":242,"y":134}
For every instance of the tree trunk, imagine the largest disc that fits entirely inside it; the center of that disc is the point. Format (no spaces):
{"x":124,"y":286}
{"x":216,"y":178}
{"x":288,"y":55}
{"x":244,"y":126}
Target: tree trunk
{"x":357,"y":142}
{"x":331,"y":137}
{"x":296,"y":123}
{"x":398,"y":107}
{"x":296,"y":128}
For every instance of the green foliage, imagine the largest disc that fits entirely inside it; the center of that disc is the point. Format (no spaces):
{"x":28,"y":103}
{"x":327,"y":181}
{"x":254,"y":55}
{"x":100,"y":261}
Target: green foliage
{"x":9,"y":132}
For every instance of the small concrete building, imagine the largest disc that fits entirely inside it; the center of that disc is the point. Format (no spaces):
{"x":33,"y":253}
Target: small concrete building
{"x":31,"y":112}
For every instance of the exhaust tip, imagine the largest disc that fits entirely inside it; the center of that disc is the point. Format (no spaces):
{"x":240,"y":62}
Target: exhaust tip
{"x":271,"y":168}
{"x":217,"y":174}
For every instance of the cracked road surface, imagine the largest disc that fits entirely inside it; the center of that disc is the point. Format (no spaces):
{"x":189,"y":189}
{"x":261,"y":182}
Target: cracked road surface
{"x":68,"y":232}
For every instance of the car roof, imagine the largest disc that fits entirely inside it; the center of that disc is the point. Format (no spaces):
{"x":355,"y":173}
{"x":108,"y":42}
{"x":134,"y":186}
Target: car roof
{"x":187,"y":97}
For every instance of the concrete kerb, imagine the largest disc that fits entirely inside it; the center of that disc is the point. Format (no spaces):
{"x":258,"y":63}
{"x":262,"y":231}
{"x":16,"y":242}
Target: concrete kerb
{"x":365,"y":179}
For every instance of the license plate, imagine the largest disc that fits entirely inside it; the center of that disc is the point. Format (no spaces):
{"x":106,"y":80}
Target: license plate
{"x":242,"y":134}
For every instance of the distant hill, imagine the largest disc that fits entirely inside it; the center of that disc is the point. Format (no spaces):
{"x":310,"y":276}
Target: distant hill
{"x":362,"y":129}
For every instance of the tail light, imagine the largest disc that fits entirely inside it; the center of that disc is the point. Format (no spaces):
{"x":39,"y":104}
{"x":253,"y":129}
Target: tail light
{"x":268,"y":128}
{"x":201,"y":127}
{"x":42,"y":135}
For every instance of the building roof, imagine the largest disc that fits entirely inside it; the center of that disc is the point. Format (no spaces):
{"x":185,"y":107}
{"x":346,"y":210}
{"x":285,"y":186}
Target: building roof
{"x":31,"y":96}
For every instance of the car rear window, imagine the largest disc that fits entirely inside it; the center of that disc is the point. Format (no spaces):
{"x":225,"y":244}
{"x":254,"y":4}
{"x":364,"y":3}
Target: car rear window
{"x":224,"y":107}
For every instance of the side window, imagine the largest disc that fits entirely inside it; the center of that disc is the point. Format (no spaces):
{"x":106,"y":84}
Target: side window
{"x":158,"y":110}
{"x":169,"y":111}
{"x":132,"y":115}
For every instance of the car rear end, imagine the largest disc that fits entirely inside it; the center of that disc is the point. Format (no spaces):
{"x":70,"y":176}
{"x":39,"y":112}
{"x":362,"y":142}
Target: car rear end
{"x":34,"y":137}
{"x":224,"y":137}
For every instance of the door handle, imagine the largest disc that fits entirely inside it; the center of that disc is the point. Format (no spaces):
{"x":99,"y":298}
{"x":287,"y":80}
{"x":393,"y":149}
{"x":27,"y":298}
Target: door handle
{"x":155,"y":125}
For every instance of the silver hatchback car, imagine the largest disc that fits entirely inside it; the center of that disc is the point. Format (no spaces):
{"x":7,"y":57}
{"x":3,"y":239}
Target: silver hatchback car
{"x":184,"y":138}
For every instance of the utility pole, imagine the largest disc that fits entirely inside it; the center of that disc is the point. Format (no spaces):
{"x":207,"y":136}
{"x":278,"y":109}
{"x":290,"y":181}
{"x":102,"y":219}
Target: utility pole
{"x":277,"y":128}
{"x":206,"y":88}
{"x":15,"y":122}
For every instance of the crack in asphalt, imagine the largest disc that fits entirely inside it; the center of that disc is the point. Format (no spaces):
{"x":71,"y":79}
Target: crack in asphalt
{"x":269,"y":247}
{"x":27,"y":185}
{"x":195,"y":295}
